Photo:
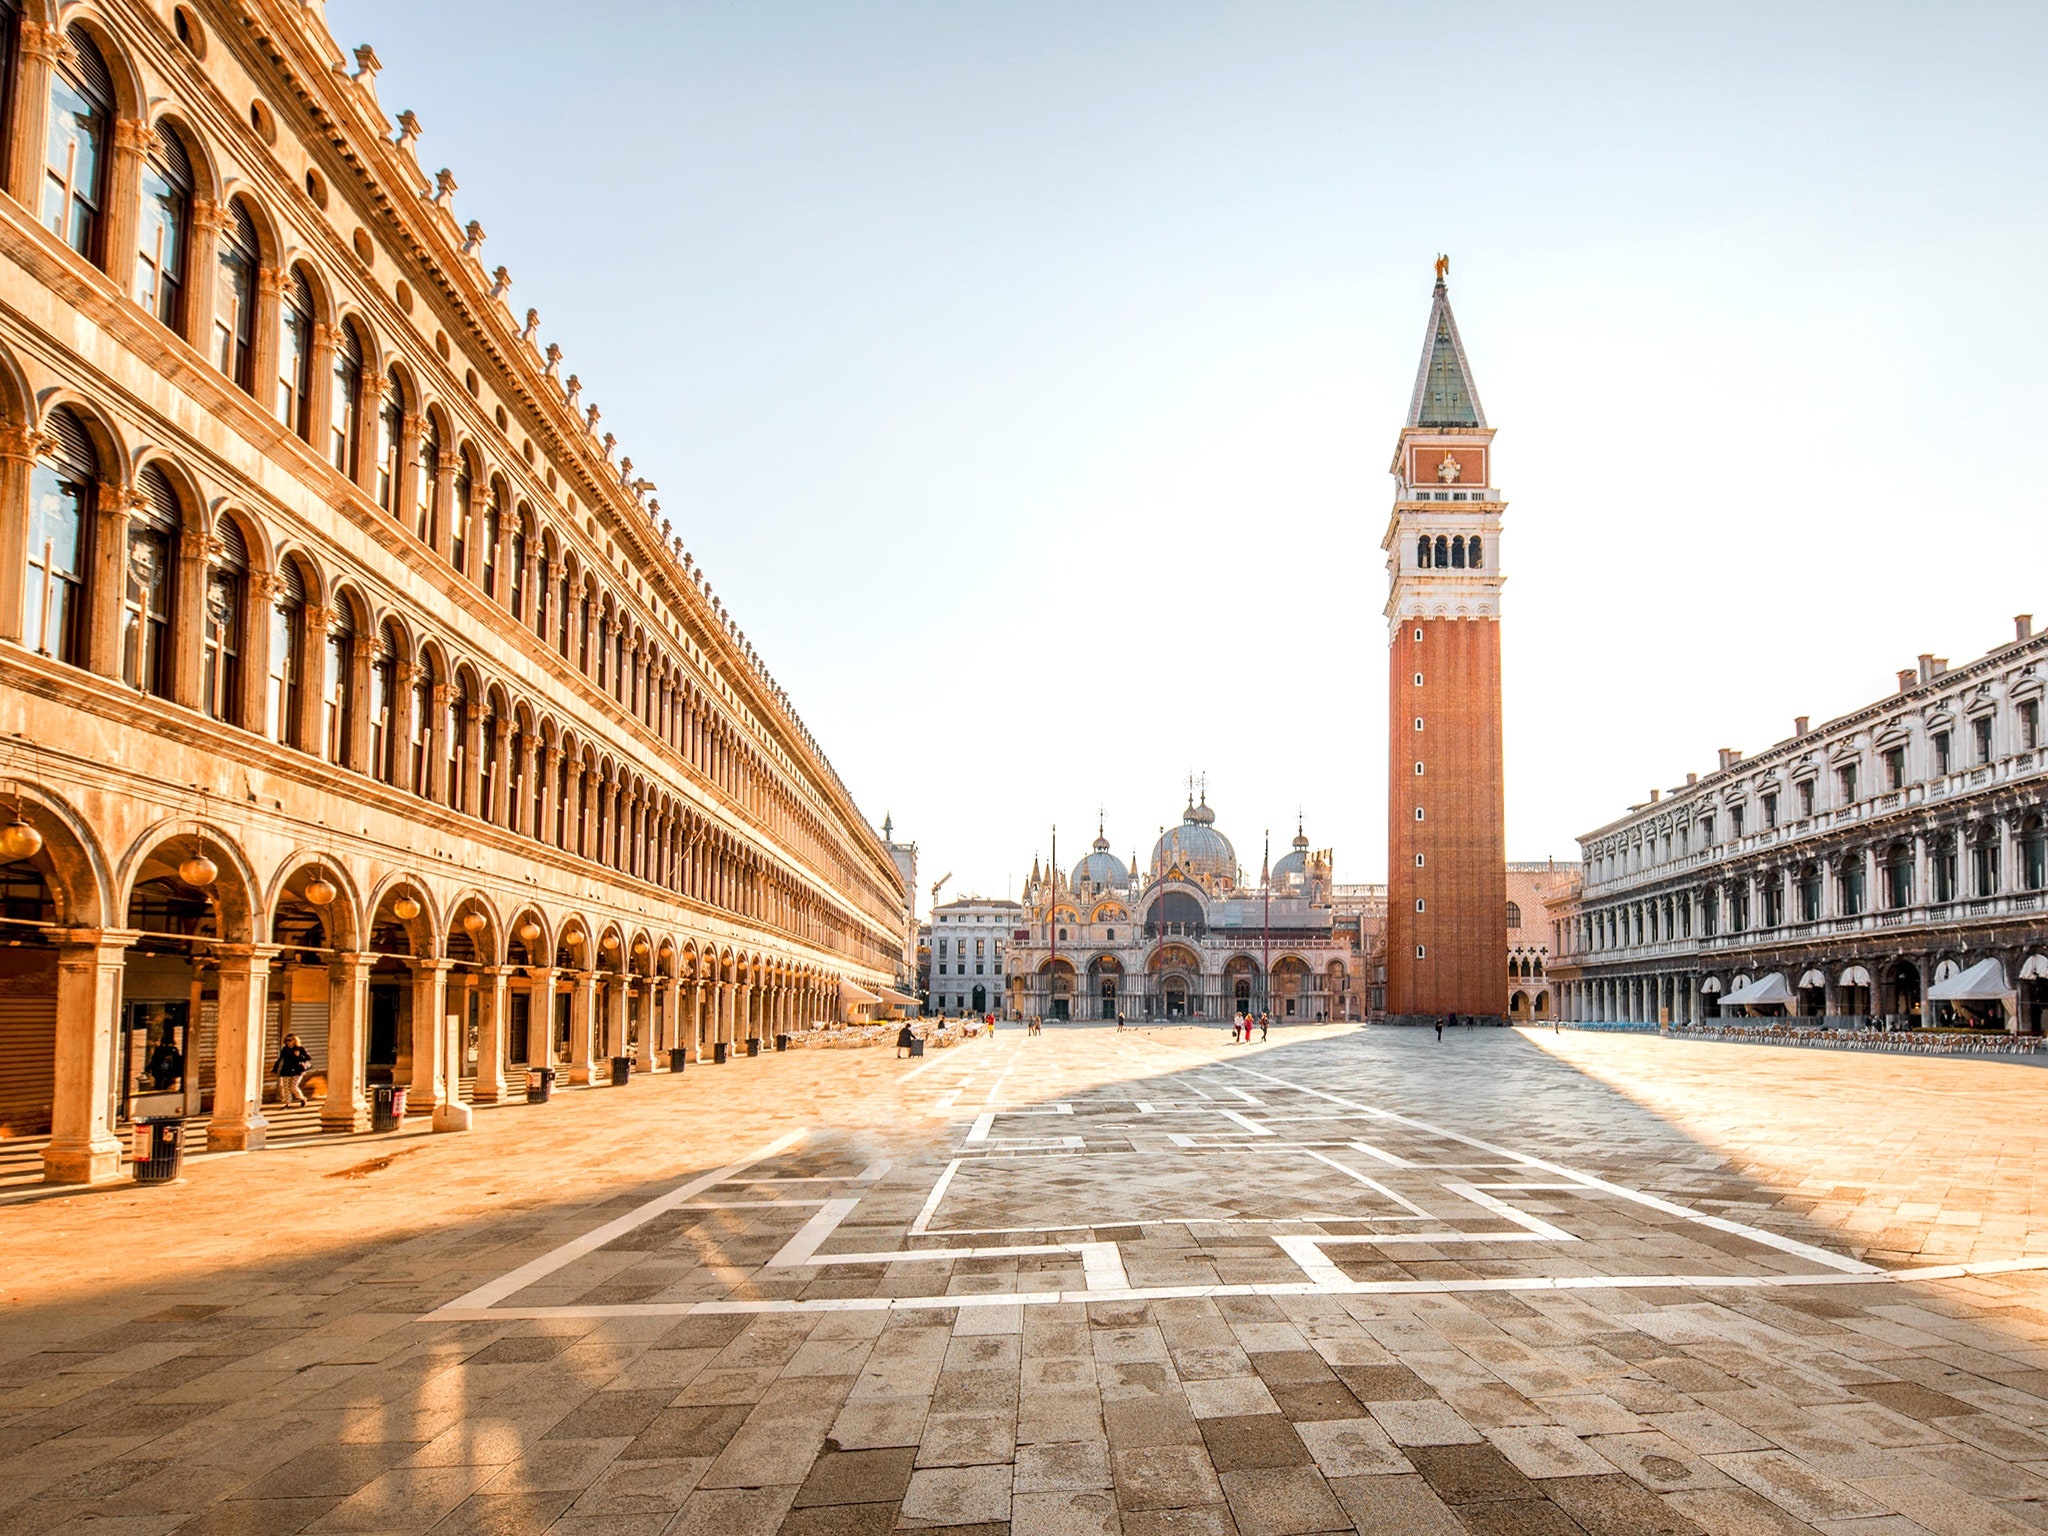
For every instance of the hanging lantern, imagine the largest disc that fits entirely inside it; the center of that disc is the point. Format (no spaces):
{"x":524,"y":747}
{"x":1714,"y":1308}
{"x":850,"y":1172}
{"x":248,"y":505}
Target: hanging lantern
{"x":611,"y":941}
{"x":529,"y":930}
{"x":639,"y":946}
{"x":473,"y":923}
{"x":320,"y":892}
{"x":199,"y":871}
{"x":406,"y":909}
{"x":572,"y":940}
{"x":19,"y":840}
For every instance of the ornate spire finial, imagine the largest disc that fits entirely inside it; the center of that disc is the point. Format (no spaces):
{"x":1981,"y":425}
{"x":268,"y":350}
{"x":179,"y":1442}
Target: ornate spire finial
{"x":1443,"y":265}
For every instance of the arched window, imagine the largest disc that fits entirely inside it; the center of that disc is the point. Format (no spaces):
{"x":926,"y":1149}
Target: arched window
{"x":1472,"y":552}
{"x":220,"y":659}
{"x":338,"y":687}
{"x":464,"y":512}
{"x":1458,"y":553}
{"x":390,"y":443}
{"x":487,"y":765}
{"x":1443,"y":552}
{"x":517,"y":555}
{"x":604,"y":648}
{"x":1514,"y":914}
{"x":163,"y":229}
{"x":287,"y":653}
{"x":345,"y":409}
{"x":81,"y":123}
{"x":2034,"y":853}
{"x":455,"y":730}
{"x":1422,"y":552}
{"x":422,"y":728}
{"x":63,"y":499}
{"x":234,"y":300}
{"x":384,"y":703}
{"x":618,"y":662}
{"x":426,"y":518}
{"x":295,"y":356}
{"x":493,"y":530}
{"x":149,"y":582}
{"x":583,"y":634}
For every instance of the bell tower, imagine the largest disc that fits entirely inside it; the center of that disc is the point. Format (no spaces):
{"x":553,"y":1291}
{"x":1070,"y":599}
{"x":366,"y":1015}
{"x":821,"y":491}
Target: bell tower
{"x":1446,"y":841}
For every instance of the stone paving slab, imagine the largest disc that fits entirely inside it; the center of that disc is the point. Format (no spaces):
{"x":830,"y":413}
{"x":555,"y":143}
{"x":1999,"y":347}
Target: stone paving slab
{"x":1348,"y":1280}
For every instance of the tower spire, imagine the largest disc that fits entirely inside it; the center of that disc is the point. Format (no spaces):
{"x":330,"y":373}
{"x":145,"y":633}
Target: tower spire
{"x":1444,"y":396}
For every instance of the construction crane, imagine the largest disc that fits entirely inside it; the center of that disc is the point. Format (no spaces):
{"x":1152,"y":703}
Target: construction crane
{"x":938,"y":884}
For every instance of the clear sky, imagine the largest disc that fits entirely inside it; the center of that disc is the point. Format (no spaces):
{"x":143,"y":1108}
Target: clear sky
{"x":1025,"y":375}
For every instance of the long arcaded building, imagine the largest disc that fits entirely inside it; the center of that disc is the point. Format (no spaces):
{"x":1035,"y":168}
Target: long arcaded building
{"x":351,"y":685}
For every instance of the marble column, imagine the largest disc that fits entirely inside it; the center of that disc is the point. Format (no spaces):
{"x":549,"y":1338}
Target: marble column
{"x":582,"y":1017}
{"x":346,"y":1108}
{"x":429,"y":1004}
{"x":83,"y":1148}
{"x":244,"y":979}
{"x":493,"y":1017}
{"x":450,"y":1113}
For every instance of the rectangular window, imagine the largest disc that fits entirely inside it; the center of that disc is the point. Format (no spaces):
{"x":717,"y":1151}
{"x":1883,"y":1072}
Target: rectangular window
{"x":1852,"y":888}
{"x":1942,"y":762}
{"x":2030,"y":725}
{"x":1980,"y":729}
{"x":1735,"y":820}
{"x":1770,"y":810}
{"x":1806,"y":798}
{"x":1846,"y":775}
{"x":1895,"y":768}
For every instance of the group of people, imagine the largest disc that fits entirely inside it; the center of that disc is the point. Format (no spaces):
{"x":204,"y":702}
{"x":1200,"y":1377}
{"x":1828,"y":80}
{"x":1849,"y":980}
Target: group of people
{"x":1241,"y":1029}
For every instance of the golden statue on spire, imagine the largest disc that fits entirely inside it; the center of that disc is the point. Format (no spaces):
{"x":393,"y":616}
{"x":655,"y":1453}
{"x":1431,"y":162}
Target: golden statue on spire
{"x":1443,"y":265}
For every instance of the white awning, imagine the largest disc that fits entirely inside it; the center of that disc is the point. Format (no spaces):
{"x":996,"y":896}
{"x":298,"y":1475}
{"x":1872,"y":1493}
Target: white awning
{"x":1983,"y":982}
{"x":1739,"y":992}
{"x":895,"y":999}
{"x":853,"y":996}
{"x":1769,"y":989}
{"x":1812,"y":979}
{"x":1856,"y":976}
{"x":1760,"y":993}
{"x":2035,"y":968}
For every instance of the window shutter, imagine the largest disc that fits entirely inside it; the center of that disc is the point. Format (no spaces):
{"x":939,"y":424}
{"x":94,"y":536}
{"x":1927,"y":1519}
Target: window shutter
{"x":292,"y":583}
{"x":234,"y":554}
{"x":72,"y":450}
{"x":89,"y":67}
{"x":172,"y":158}
{"x":159,"y":502}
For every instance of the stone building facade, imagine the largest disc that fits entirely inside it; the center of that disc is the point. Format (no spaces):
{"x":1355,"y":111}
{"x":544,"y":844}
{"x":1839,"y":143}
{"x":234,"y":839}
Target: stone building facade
{"x":1532,"y":885}
{"x":1889,"y":865}
{"x":1187,"y":938}
{"x":350,"y":681}
{"x":968,"y":937}
{"x":1446,"y":827}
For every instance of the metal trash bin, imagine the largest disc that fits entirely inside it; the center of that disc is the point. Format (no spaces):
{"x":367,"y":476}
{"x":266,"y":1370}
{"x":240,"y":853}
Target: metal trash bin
{"x":782,"y":1042}
{"x":753,"y":1045}
{"x":917,"y":1047}
{"x":387,"y":1106}
{"x":540,"y":1084}
{"x":719,"y":1051}
{"x":159,"y":1149}
{"x":622,"y":1071}
{"x":678,"y":1058}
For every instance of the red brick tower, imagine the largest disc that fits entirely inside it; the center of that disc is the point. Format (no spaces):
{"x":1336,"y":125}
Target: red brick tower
{"x":1446,"y":848}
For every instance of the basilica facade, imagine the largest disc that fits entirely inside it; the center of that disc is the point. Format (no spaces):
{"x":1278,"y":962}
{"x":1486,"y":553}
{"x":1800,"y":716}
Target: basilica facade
{"x":1184,"y":936}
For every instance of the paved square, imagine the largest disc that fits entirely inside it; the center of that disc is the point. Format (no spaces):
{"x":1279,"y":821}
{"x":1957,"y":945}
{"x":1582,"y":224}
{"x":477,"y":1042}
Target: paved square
{"x":1351,"y":1280}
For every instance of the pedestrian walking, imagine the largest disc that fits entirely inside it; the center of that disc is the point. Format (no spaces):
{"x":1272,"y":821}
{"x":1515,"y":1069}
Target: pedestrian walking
{"x":906,"y":1037}
{"x":1439,"y":1031}
{"x":292,"y":1061}
{"x":1265,"y":1025}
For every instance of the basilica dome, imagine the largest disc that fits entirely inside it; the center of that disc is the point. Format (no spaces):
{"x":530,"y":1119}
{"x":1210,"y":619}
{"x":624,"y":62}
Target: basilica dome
{"x":1101,"y":868}
{"x":1195,"y":847}
{"x":1293,"y":864}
